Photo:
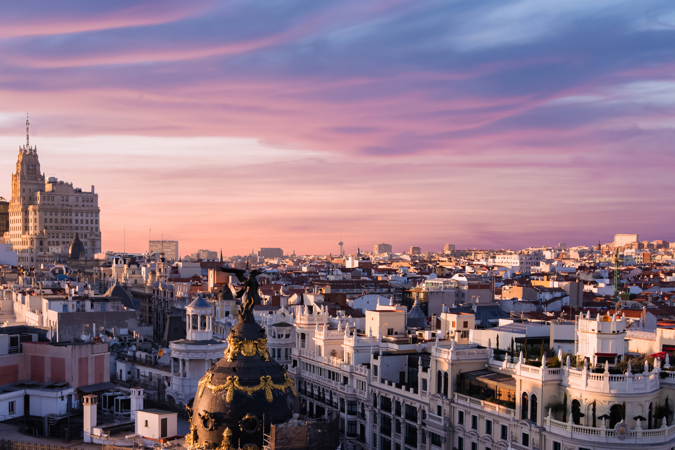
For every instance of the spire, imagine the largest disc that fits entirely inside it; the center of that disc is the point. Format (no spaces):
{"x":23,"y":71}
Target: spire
{"x":221,"y":255}
{"x":27,"y":134}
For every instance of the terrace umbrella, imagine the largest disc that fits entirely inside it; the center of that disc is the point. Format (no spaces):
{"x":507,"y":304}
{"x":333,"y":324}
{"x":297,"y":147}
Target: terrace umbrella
{"x":603,"y":418}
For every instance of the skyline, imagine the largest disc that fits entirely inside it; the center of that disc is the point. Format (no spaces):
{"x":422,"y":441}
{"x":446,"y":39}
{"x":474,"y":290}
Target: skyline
{"x":499,"y":125}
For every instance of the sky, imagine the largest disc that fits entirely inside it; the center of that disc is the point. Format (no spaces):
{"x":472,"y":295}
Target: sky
{"x":292,"y":124}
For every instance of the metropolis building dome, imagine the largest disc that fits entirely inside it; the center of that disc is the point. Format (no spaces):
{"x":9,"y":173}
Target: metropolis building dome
{"x":245,"y":392}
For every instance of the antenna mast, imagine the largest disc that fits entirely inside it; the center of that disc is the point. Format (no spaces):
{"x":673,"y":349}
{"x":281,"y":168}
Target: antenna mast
{"x":27,"y":134}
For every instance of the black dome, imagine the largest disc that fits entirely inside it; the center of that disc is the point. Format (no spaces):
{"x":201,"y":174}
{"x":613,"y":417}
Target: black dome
{"x":245,"y":392}
{"x":77,"y":249}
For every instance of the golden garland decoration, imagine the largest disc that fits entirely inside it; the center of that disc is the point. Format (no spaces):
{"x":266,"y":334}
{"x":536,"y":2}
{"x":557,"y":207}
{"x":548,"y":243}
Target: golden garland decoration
{"x":232,"y":384}
{"x":192,"y":439}
{"x":247,"y":348}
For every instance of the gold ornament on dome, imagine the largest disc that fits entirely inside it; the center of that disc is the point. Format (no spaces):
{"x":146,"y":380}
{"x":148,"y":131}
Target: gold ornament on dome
{"x":192,"y":439}
{"x":232,"y":384}
{"x":246,"y":348}
{"x":226,"y":445}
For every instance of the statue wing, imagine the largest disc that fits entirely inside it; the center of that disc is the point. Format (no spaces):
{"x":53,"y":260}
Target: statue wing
{"x":239,"y":273}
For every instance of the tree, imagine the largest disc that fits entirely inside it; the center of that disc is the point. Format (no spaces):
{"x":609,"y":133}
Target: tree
{"x":525,"y":349}
{"x":513,"y":349}
{"x":594,"y":413}
{"x":623,"y":411}
{"x":565,"y":408}
{"x":497,"y":341}
{"x":541,"y":352}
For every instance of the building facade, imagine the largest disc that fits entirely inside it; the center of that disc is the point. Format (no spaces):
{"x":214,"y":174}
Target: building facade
{"x":382,"y":248}
{"x":167,"y":248}
{"x":45,"y":215}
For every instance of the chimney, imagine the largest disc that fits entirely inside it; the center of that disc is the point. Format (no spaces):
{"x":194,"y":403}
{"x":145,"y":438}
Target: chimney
{"x":136,"y":401}
{"x":89,"y":403}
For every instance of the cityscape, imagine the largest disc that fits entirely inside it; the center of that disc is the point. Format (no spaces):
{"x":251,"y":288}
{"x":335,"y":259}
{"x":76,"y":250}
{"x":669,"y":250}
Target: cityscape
{"x":338,"y":225}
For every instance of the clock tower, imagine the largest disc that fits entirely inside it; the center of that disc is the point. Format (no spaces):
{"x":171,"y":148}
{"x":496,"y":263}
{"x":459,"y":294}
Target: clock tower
{"x":45,"y":215}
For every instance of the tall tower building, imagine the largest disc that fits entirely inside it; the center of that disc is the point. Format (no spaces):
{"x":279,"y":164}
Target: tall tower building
{"x":44,"y":216}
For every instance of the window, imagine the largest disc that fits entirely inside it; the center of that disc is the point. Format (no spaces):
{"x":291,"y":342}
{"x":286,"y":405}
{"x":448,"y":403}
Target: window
{"x":466,"y":324}
{"x":504,"y":433}
{"x":351,"y":428}
{"x":460,"y":443}
{"x":439,"y":410}
{"x":385,"y":404}
{"x":411,"y":413}
{"x":488,"y":427}
{"x":351,"y":407}
{"x":556,"y":446}
{"x":526,"y":439}
{"x":12,"y":407}
{"x":436,"y":440}
{"x":474,"y":422}
{"x":474,"y":446}
{"x":460,"y":417}
{"x":398,"y":408}
{"x":385,"y":425}
{"x":424,"y":384}
{"x":146,"y":424}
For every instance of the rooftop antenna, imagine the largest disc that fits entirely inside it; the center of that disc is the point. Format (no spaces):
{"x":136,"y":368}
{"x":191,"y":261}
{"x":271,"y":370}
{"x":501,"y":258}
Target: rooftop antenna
{"x":27,"y":134}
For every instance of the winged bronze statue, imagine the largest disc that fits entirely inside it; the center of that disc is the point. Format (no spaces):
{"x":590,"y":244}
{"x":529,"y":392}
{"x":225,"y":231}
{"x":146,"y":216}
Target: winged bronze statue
{"x":248,"y":292}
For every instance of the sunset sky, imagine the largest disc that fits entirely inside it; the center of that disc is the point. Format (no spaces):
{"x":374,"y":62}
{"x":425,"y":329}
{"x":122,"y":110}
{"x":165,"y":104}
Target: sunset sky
{"x":242,"y":124}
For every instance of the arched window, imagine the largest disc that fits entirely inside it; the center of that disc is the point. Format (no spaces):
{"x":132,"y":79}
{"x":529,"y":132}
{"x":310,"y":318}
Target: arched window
{"x":576,"y":412}
{"x":614,"y":415}
{"x":651,"y":414}
{"x":445,"y":383}
{"x":533,"y":408}
{"x":524,"y":407}
{"x":439,"y":382}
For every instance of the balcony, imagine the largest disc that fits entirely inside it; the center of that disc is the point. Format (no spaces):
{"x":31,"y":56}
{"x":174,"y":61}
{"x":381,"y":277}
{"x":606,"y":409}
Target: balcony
{"x":637,"y":436}
{"x":483,"y":405}
{"x":433,"y":419}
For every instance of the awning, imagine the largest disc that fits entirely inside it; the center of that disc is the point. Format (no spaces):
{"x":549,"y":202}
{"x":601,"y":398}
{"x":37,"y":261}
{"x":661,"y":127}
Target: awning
{"x":96,"y":388}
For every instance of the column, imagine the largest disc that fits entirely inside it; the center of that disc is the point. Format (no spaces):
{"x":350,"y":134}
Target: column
{"x":171,"y":366}
{"x":180,"y":368}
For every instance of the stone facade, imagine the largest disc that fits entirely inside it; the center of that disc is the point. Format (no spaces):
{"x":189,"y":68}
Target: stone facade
{"x":45,"y":214}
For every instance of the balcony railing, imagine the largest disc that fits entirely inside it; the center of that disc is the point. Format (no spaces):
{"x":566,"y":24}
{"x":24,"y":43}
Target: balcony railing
{"x":486,"y":406}
{"x":609,"y":435}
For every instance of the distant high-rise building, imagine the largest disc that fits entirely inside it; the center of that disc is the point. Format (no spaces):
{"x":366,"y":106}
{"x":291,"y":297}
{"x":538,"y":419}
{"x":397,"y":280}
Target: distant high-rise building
{"x":270,"y":253}
{"x":45,"y":215}
{"x":415,"y":251}
{"x":205,"y":255}
{"x":341,"y":244}
{"x":168,"y":248}
{"x":447,"y":248}
{"x":624,"y":239}
{"x":382,"y":248}
{"x":562,"y":245}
